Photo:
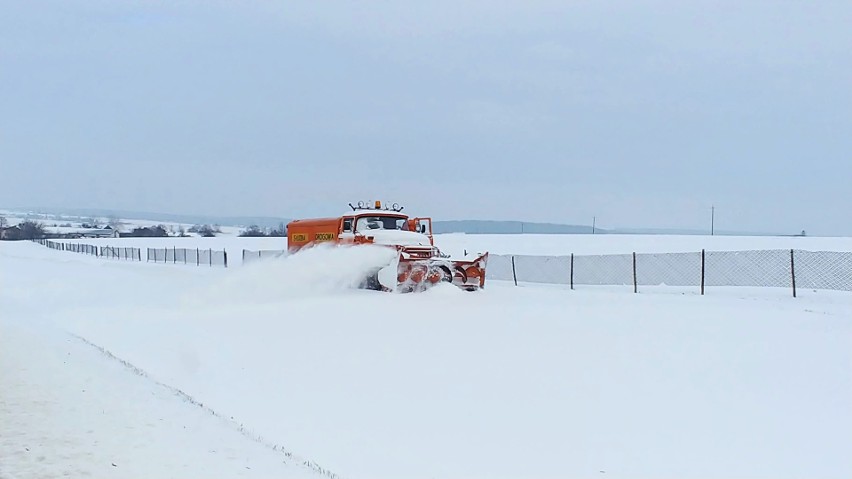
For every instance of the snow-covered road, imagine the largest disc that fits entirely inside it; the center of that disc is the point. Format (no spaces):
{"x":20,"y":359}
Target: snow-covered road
{"x":68,"y":410}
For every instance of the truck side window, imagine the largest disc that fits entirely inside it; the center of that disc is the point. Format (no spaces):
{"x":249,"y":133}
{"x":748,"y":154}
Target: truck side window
{"x":347,"y":225}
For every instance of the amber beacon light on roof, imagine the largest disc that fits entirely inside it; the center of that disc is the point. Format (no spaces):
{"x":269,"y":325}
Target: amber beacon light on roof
{"x":418,"y":264}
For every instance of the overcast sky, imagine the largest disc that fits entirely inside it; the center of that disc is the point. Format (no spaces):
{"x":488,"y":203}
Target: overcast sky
{"x":642,"y":113}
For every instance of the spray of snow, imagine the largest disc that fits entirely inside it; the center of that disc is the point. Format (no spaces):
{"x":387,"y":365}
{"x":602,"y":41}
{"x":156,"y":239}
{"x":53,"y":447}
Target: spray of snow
{"x":320,"y":270}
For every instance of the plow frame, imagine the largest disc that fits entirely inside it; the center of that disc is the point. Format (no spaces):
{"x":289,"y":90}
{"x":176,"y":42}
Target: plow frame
{"x":415,"y":271}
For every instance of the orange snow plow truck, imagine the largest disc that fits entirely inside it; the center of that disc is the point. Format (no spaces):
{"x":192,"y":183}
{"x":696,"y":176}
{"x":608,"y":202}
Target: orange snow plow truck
{"x":418,"y":263}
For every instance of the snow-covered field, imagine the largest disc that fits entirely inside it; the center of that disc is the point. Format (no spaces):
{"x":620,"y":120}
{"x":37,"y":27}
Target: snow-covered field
{"x":581,"y":244}
{"x":278,"y":369}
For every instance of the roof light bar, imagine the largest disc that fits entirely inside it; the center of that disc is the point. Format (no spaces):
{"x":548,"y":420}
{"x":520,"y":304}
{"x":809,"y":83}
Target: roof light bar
{"x":377,"y":205}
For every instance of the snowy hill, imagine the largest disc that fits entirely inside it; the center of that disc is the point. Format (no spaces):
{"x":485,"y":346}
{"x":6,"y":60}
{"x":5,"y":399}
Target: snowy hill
{"x":469,"y":226}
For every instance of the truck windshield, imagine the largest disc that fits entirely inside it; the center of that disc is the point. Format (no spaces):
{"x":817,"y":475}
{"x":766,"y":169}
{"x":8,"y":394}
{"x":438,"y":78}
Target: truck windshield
{"x":366,"y":223}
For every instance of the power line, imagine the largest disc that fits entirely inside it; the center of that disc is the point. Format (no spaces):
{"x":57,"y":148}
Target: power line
{"x":712,"y":220}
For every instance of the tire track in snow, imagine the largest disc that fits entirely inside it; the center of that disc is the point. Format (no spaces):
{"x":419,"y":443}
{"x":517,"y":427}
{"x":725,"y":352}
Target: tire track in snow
{"x":239,"y":427}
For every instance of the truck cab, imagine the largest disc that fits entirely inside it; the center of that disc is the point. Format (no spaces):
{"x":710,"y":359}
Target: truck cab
{"x":372,"y":223}
{"x":363,"y":225}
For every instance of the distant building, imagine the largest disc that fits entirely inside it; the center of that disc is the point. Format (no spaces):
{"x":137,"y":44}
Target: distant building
{"x":107,"y":232}
{"x":74,"y":233}
{"x":10,"y":233}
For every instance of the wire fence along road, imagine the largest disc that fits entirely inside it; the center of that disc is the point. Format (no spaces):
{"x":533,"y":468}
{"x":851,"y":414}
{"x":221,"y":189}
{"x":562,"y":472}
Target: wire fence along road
{"x":133,"y":254}
{"x":249,"y":255}
{"x":196,"y":256}
{"x":791,"y":269}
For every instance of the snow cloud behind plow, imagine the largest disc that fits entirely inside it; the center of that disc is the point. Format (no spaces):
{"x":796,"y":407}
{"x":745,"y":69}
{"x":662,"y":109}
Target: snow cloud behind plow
{"x":321,"y":270}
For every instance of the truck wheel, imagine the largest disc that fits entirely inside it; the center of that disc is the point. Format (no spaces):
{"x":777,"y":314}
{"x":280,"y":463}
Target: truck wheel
{"x":372,"y":282}
{"x":460,"y":272}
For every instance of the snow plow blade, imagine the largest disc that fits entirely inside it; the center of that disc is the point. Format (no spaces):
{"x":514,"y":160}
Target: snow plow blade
{"x":410,"y":273}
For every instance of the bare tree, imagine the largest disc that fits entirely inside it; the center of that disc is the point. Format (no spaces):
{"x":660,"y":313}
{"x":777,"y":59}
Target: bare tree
{"x":31,"y":230}
{"x":207,"y":231}
{"x":280,"y":231}
{"x":253,"y":231}
{"x":3,"y":222}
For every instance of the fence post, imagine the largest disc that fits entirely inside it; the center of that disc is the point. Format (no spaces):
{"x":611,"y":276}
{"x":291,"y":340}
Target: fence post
{"x":514,"y":274}
{"x":197,"y":257}
{"x":793,"y":272}
{"x":174,"y":254}
{"x":572,"y":270}
{"x":702,"y":272}
{"x":210,"y":256}
{"x":244,"y":255}
{"x":635,"y":286}
{"x":225,"y":253}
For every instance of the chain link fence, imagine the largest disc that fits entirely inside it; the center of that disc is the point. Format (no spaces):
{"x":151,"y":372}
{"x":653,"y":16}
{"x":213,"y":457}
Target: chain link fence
{"x":251,"y":256}
{"x":191,"y":256}
{"x":196,"y":256}
{"x":133,"y":254}
{"x":791,"y":269}
{"x":823,"y":270}
{"x":121,"y":253}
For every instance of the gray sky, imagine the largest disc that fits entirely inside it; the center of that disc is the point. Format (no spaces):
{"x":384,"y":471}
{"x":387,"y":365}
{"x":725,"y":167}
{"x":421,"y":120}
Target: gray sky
{"x":643,"y":113}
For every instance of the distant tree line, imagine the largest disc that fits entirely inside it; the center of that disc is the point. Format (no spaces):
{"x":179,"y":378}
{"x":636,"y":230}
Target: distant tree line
{"x":257,"y":231}
{"x":206,"y":231}
{"x":160,"y":231}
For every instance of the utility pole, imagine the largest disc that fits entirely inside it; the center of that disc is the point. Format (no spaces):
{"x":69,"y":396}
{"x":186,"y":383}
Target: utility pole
{"x":712,"y":220}
{"x":593,"y":223}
